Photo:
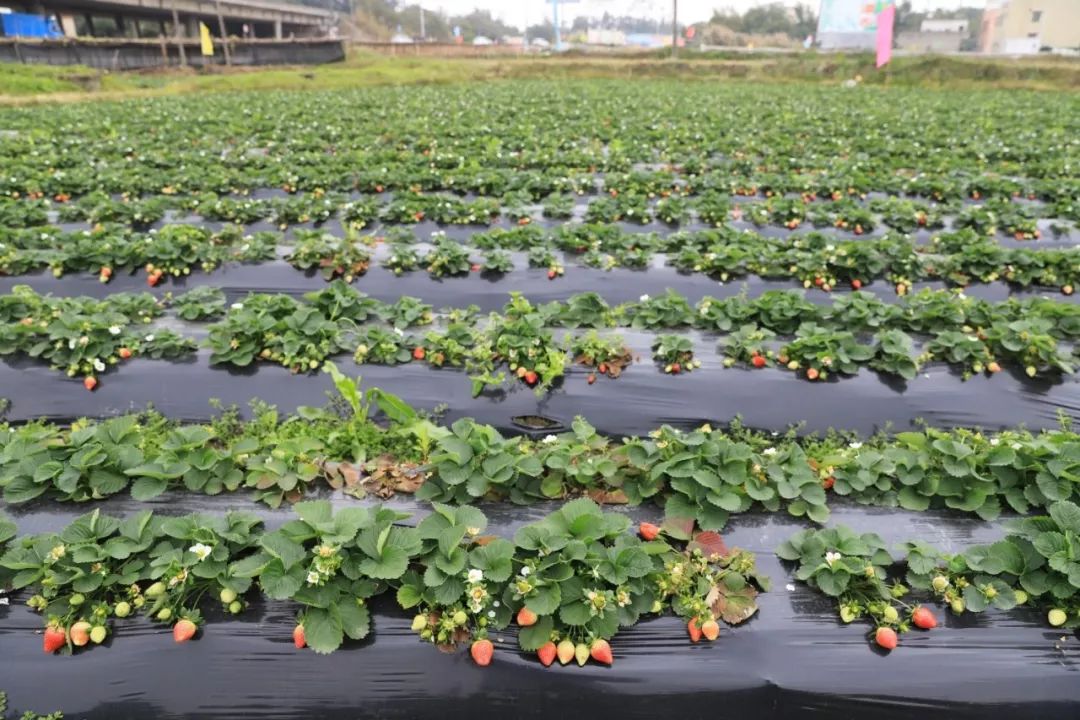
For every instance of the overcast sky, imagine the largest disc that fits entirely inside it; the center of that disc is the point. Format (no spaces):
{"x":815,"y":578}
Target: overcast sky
{"x":520,"y":12}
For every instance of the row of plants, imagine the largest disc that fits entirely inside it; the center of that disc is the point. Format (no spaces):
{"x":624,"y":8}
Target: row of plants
{"x":815,"y":259}
{"x":569,"y":581}
{"x":1033,"y":566}
{"x":558,"y":137}
{"x":85,"y":337}
{"x":842,"y":213}
{"x":706,"y":474}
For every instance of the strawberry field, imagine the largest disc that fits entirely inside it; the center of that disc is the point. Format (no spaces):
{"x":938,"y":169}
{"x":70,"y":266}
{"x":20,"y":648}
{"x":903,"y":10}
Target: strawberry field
{"x":704,"y":397}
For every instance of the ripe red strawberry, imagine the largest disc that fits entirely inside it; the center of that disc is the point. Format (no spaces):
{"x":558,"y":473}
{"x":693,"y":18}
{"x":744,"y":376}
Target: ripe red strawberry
{"x":694,"y":630}
{"x":526,"y":617}
{"x":648,"y":531}
{"x":591,"y":378}
{"x":299,"y":639}
{"x":418,"y":353}
{"x":124,"y":353}
{"x":819,"y":281}
{"x":828,"y":482}
{"x":602,"y":368}
{"x":546,"y":653}
{"x":812,"y":374}
{"x":710,"y":629}
{"x":922,"y":617}
{"x":106,"y":273}
{"x":531,"y":377}
{"x":55,"y":638}
{"x":993,"y":367}
{"x":601,"y":652}
{"x":552,"y":274}
{"x":856,"y":284}
{"x":521,"y":372}
{"x":89,"y":383}
{"x":676,"y":368}
{"x":757,"y":361}
{"x":183,"y":630}
{"x":481,"y":652}
{"x":886,"y":638}
{"x":475,"y":268}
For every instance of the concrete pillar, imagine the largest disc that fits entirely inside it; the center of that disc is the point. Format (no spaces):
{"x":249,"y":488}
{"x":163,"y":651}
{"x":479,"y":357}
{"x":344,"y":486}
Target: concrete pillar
{"x":67,"y":25}
{"x":277,"y":29}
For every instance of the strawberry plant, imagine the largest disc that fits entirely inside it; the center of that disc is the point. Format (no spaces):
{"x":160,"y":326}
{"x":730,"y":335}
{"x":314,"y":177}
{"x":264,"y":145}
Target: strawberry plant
{"x":384,"y":347}
{"x":608,"y":355}
{"x":819,"y":352}
{"x":674,"y":354}
{"x":852,"y":569}
{"x":447,"y":258}
{"x":402,"y":259}
{"x":347,"y":257}
{"x":200,"y":304}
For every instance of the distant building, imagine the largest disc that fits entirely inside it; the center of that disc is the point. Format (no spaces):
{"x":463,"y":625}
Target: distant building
{"x":944,"y":26}
{"x":1025,"y":27}
{"x":935,"y":36}
{"x":605,"y":37}
{"x":481,"y":40}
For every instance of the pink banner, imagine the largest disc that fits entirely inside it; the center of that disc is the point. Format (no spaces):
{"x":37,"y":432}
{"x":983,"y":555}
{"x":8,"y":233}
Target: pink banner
{"x":885,"y":20}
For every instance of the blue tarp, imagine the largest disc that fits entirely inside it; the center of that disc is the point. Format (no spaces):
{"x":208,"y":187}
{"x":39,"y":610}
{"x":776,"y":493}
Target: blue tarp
{"x":26,"y":25}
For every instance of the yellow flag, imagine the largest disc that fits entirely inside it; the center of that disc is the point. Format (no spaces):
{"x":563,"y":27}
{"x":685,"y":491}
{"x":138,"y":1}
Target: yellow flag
{"x":207,"y":41}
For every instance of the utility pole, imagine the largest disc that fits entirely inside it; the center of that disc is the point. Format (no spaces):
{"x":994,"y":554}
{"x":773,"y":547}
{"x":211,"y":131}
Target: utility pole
{"x":674,"y":28}
{"x":555,"y":18}
{"x":423,"y":35}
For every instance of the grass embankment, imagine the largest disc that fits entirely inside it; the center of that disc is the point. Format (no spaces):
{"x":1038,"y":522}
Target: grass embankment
{"x":30,"y":84}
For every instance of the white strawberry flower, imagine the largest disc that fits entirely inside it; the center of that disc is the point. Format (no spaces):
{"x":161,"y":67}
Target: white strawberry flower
{"x":644,"y":298}
{"x":149,"y":338}
{"x":238,"y":306}
{"x":831,"y":557}
{"x":312,"y":578}
{"x":201,"y":551}
{"x":769,"y":451}
{"x":114,"y":330}
{"x":475,"y":575}
{"x":549,"y":439}
{"x":994,"y":442}
{"x":525,"y":572}
{"x":98,"y":365}
{"x":855,"y":445}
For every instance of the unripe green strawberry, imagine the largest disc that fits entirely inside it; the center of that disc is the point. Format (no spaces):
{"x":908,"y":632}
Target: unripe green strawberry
{"x":1057,"y":617}
{"x":139,"y":601}
{"x":236,"y":607}
{"x":122,"y":609}
{"x":847,"y":614}
{"x":164,"y":614}
{"x":1021,"y":597}
{"x":156,"y":590}
{"x":76,"y":600}
{"x":227,"y":596}
{"x":97,"y":634}
{"x":957,"y":605}
{"x":940,"y":583}
{"x":890,"y":614}
{"x":419,"y":623}
{"x":581,"y":653}
{"x":565,"y":651}
{"x":460,"y":618}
